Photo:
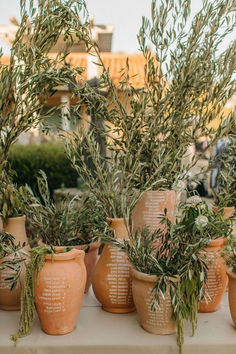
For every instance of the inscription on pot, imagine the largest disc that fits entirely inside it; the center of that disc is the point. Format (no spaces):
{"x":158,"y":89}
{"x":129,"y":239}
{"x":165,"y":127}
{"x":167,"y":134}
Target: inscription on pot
{"x":53,"y":296}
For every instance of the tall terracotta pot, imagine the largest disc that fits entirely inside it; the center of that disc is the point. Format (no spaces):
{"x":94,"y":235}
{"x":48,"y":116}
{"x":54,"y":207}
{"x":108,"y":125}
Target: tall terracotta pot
{"x":228,"y":211}
{"x":60,"y":290}
{"x":150,"y":209}
{"x":156,"y":322}
{"x":112,"y":279}
{"x":10,"y":300}
{"x":232,"y":294}
{"x":90,"y":260}
{"x":217,"y":278}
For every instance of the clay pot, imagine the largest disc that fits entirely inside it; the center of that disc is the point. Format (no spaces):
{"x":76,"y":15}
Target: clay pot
{"x":60,"y":290}
{"x":232,"y":294}
{"x":10,"y":300}
{"x":150,"y":209}
{"x":156,"y":322}
{"x":90,"y":260}
{"x":217,"y":278}
{"x":112,"y":279}
{"x":228,"y":211}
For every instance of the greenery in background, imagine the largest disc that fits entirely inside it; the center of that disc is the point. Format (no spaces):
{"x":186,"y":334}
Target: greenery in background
{"x":198,"y":219}
{"x":229,"y":254}
{"x":70,"y":222}
{"x":225,"y":192}
{"x":28,"y":310}
{"x":173,"y":256}
{"x":50,"y":157}
{"x":108,"y":179}
{"x":12,"y":257}
{"x":11,"y":202}
{"x":186,"y":87}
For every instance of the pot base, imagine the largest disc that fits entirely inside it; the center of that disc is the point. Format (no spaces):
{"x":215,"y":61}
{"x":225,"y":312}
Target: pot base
{"x":10,"y":308}
{"x":119,"y":310}
{"x":59,"y":333}
{"x":159,"y":331}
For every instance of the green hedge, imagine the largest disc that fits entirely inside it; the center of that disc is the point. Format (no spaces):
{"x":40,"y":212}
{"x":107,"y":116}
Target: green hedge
{"x":27,"y":160}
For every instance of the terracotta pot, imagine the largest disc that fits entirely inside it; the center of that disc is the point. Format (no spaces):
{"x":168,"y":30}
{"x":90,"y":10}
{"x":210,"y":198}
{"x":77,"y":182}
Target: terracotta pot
{"x":90,"y":260}
{"x":217,"y":278}
{"x":112,"y":284}
{"x":150,"y":209}
{"x":232,"y":294}
{"x":156,"y":322}
{"x":228,"y":211}
{"x":10,"y":300}
{"x":60,"y":290}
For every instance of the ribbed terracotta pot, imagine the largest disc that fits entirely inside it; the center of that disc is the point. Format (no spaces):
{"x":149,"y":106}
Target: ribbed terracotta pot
{"x":112,"y":283}
{"x":217,"y":278}
{"x":157,"y":322}
{"x":90,"y":260}
{"x":10,"y":300}
{"x":232,"y":294}
{"x":60,"y":290}
{"x":228,"y":211}
{"x":150,"y":209}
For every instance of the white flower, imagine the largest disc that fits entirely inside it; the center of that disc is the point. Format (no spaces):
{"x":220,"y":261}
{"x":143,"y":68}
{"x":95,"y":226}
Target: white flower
{"x":192,"y":185}
{"x":194,"y":200}
{"x":201,"y":221}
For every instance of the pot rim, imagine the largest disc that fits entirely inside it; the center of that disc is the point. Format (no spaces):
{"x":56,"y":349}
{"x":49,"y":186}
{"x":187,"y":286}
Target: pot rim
{"x":116,"y":219}
{"x":17,"y":217}
{"x":65,"y":256}
{"x":146,"y":277}
{"x":219,"y":242}
{"x":231,"y":273}
{"x":216,"y":207}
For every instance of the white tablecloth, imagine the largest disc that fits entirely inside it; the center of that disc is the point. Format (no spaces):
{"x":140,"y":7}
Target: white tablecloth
{"x":99,"y":332}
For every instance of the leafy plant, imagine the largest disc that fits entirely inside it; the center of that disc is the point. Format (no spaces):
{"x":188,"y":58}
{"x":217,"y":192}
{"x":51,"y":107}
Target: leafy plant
{"x":225,"y":192}
{"x":198,"y":219}
{"x":11,"y":202}
{"x":12,"y":258}
{"x":173,"y":256}
{"x":229,"y":254}
{"x":70,"y":222}
{"x":186,"y":87}
{"x":107,"y":178}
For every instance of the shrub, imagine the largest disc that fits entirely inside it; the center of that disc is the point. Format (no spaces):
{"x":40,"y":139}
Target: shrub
{"x":27,"y":160}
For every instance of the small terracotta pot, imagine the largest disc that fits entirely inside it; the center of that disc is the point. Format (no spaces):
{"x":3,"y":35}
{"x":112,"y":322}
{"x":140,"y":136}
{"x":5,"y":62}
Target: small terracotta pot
{"x":228,"y":211}
{"x":157,"y":322}
{"x":90,"y":260}
{"x":217,"y":278}
{"x":60,"y":290}
{"x":150,"y":209}
{"x":232,"y":294}
{"x":10,"y":299}
{"x":112,"y":279}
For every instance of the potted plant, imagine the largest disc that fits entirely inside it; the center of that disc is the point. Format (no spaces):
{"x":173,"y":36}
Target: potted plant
{"x":12,"y":257}
{"x":181,"y":96}
{"x":13,"y":222}
{"x":54,"y":286}
{"x":200,"y":219}
{"x":230,"y":256}
{"x":168,"y":276}
{"x":72,"y":222}
{"x":112,"y":187}
{"x":223,"y":166}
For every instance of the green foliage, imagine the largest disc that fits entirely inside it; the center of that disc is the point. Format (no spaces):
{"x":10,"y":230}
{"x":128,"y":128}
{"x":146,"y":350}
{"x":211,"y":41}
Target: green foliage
{"x":71,"y":222}
{"x":28,"y":160}
{"x":229,"y":254}
{"x":28,"y":310}
{"x":197,"y":219}
{"x":110,"y":180}
{"x":186,"y":86}
{"x":11,"y":203}
{"x":12,"y":257}
{"x":225,"y":193}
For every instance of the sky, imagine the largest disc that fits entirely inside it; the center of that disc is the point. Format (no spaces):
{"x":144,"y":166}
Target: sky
{"x":125,"y":15}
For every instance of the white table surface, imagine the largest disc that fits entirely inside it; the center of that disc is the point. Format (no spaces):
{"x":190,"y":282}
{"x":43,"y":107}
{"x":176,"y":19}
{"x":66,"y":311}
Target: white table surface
{"x":100,"y":332}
